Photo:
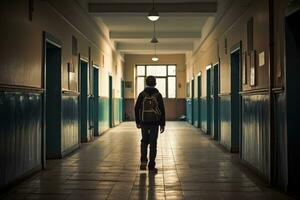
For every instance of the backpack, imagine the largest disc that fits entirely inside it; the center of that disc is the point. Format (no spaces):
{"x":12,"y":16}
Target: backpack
{"x":150,"y":111}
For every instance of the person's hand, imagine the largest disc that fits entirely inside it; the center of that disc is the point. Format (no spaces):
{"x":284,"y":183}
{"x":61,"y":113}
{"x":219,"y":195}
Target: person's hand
{"x":138,"y":126}
{"x":162,"y":129}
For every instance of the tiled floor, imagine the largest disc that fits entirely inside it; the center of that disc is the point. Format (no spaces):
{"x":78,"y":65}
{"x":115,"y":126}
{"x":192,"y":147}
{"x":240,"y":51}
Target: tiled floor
{"x":191,"y":166}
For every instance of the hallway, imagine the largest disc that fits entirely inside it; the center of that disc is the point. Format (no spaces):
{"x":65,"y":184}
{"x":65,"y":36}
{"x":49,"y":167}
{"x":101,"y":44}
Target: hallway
{"x":191,"y":166}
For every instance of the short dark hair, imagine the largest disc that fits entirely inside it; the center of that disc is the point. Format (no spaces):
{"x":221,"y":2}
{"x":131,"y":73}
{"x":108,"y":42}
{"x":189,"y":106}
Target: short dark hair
{"x":151,"y":81}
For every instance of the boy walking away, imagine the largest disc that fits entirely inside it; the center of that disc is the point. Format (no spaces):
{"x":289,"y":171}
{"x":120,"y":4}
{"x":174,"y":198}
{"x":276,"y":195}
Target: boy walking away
{"x":149,"y":116}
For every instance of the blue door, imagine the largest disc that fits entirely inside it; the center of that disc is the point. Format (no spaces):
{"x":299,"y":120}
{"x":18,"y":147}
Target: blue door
{"x":215,"y":109}
{"x":123,"y":100}
{"x":235,"y":99}
{"x":199,"y":79}
{"x":110,"y":103}
{"x":84,"y":100}
{"x":192,"y":102}
{"x":96,"y":100}
{"x":209,"y":98}
{"x":53,"y":100}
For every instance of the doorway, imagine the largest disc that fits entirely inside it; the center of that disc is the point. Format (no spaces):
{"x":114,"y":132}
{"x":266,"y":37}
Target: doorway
{"x":215,"y":93}
{"x":235,"y":58}
{"x":123,"y":100}
{"x":110,"y":102}
{"x":53,"y":97}
{"x":192,"y":101}
{"x":292,"y":45}
{"x":96,"y":99}
{"x":199,"y":81}
{"x":209,"y":97}
{"x":83,"y":99}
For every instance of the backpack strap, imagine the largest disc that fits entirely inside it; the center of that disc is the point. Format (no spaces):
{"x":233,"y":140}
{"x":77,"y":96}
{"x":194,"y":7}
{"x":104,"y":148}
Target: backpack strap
{"x":156,"y":110}
{"x":145,"y":94}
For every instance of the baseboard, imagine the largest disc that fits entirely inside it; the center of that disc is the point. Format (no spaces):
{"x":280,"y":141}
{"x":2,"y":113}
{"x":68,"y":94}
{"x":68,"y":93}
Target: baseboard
{"x":20,"y":179}
{"x":254,"y":170}
{"x":234,"y":150}
{"x":203,"y":130}
{"x":53,"y":156}
{"x":70,"y":150}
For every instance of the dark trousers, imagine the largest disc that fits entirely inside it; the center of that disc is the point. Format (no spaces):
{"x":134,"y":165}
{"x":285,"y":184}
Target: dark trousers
{"x":149,"y":136}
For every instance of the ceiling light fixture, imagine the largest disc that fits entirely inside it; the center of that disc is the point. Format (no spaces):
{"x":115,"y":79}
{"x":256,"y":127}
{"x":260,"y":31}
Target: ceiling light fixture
{"x":154,"y":39}
{"x":155,"y":58}
{"x":153,"y":14}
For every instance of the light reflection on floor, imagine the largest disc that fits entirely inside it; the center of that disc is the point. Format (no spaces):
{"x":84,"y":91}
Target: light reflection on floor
{"x":191,"y":166}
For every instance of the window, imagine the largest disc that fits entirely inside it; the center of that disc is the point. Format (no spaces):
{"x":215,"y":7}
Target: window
{"x":157,"y":70}
{"x":165,"y":78}
{"x":172,"y":87}
{"x":140,"y":70}
{"x":172,"y":70}
{"x":161,"y":86}
{"x":140,"y":84}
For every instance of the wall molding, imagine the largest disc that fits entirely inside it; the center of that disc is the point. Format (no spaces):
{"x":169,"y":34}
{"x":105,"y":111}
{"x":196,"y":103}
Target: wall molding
{"x":224,"y":94}
{"x":19,"y":88}
{"x":70,"y":93}
{"x":204,"y":97}
{"x":278,"y":90}
{"x":254,"y":92}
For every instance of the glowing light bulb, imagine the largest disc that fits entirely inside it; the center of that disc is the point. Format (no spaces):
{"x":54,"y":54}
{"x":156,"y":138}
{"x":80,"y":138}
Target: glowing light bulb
{"x":153,"y":15}
{"x":155,"y":59}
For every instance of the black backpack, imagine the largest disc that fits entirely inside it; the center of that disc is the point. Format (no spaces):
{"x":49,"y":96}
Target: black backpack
{"x":150,"y":112}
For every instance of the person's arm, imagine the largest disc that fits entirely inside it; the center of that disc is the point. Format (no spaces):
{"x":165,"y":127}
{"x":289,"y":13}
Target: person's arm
{"x":161,"y":107}
{"x":137,"y":108}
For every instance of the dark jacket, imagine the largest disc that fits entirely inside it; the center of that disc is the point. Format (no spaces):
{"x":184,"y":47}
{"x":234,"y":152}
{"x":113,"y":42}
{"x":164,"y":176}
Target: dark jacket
{"x":138,"y":107}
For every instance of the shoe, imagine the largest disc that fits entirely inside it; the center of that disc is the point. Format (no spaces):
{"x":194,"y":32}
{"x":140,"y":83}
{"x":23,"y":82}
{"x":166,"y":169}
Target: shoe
{"x":153,"y":171}
{"x":143,"y":166}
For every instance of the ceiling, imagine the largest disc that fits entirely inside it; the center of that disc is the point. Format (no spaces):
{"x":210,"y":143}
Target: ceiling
{"x":178,"y":29}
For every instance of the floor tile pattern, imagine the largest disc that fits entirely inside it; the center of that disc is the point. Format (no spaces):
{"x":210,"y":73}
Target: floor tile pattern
{"x":190,"y":164}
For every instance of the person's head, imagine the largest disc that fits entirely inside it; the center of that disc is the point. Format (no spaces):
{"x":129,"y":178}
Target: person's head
{"x":151,"y":81}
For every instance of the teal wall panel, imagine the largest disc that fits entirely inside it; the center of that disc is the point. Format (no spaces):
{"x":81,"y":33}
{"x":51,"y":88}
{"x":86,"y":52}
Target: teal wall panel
{"x":212,"y":117}
{"x":70,"y":120}
{"x":216,"y":127}
{"x":121,"y":110}
{"x":196,"y":112}
{"x":203,"y":113}
{"x":280,"y":146}
{"x":122,"y":113}
{"x":225,"y":121}
{"x":117,"y":110}
{"x":122,"y":102}
{"x":103,"y":114}
{"x":96,"y":115}
{"x":255,"y":132}
{"x":189,"y":110}
{"x":20,"y":134}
